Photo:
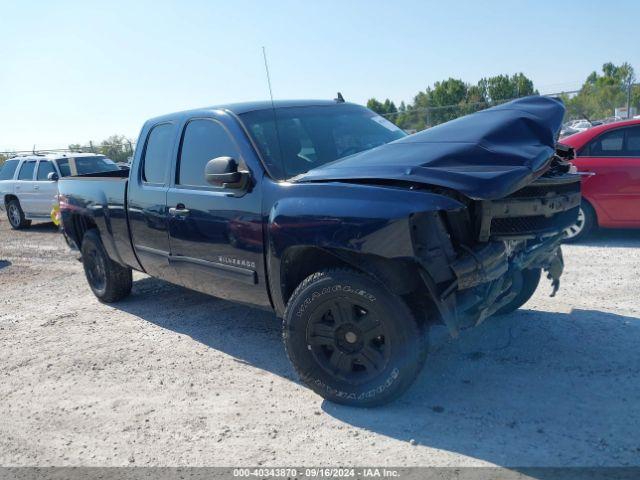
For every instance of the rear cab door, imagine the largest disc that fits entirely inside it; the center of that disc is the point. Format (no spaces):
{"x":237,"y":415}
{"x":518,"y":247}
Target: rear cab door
{"x":215,"y":233}
{"x":614,"y":158}
{"x":147,"y":199}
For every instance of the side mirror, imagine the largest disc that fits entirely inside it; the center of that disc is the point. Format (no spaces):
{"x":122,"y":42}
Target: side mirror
{"x":53,"y":176}
{"x":223,"y":172}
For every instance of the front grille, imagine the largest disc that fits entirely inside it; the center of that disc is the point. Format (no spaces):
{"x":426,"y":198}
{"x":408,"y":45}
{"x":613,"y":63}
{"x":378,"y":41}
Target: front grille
{"x":542,"y":191}
{"x":537,"y":224}
{"x":544,"y":207}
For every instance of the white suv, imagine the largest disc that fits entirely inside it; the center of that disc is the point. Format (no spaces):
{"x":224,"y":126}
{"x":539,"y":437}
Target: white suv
{"x":29,"y":183}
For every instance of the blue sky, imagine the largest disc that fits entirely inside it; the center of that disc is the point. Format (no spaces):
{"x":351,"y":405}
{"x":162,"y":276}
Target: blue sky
{"x":71,"y":71}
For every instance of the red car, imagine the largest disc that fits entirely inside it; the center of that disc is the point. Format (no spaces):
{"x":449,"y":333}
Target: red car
{"x":611,"y":196}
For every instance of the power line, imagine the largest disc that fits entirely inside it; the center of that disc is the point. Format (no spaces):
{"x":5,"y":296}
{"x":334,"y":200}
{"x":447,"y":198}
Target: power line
{"x":409,"y":110}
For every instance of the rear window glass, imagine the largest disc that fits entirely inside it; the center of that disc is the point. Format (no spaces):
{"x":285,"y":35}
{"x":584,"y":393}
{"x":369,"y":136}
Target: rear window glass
{"x":86,"y":165}
{"x":26,"y":171}
{"x":44,"y":169}
{"x":633,"y":142}
{"x":63,"y":166}
{"x":8,"y":169}
{"x":157,"y":155}
{"x":606,"y":145}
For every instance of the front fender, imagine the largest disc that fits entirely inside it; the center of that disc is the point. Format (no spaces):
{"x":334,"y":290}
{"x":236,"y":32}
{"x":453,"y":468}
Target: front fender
{"x":360,"y":219}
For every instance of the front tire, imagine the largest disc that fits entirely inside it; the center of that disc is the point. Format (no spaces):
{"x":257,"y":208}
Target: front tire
{"x":526,"y":282}
{"x":351,"y":340}
{"x":15,"y":214}
{"x":109,"y":281}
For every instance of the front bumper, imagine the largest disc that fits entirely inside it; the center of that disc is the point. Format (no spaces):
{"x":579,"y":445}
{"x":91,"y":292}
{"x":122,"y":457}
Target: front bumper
{"x":543,"y":208}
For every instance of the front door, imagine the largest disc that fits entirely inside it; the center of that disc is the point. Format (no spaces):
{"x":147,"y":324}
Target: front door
{"x":614,"y":158}
{"x":215,"y":233}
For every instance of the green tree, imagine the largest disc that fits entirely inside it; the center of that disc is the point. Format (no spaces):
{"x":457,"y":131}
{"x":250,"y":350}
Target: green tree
{"x":445,"y":101}
{"x":383,"y":108}
{"x":4,"y":156}
{"x":501,"y":88}
{"x":117,"y":148}
{"x":603,"y":92}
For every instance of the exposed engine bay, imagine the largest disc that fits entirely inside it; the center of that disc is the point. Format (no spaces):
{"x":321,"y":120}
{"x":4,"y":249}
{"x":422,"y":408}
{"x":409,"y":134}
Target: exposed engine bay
{"x":476,"y":255}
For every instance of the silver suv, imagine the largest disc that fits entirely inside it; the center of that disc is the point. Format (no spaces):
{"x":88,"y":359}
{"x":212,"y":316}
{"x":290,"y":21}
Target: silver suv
{"x":29,"y":183}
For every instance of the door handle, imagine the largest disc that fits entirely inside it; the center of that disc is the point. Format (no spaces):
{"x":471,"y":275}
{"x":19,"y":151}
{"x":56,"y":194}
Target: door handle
{"x":178,"y":211}
{"x":36,"y":187}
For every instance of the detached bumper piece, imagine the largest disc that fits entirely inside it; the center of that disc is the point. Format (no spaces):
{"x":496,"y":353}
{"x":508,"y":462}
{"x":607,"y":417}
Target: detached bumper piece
{"x":546,"y":207}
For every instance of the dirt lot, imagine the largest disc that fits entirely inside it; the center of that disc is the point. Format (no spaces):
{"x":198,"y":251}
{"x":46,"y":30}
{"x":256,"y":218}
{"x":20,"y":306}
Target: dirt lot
{"x":173,"y":377}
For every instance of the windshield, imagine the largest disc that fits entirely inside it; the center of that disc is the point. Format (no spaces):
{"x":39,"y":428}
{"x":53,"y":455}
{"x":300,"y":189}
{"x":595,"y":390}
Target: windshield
{"x":84,"y":165}
{"x":308,"y":137}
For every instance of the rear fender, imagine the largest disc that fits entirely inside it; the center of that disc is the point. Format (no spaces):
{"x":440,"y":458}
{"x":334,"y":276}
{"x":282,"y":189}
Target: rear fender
{"x":98,"y":212}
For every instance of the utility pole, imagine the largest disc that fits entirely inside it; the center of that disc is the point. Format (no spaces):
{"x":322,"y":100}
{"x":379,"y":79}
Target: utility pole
{"x":629,"y":99}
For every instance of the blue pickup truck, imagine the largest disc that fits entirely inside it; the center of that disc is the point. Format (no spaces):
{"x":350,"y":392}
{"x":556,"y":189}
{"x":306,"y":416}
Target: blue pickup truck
{"x":357,"y":235}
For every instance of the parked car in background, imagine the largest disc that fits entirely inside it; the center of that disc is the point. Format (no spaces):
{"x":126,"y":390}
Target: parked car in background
{"x":609,"y":155}
{"x":29,"y":183}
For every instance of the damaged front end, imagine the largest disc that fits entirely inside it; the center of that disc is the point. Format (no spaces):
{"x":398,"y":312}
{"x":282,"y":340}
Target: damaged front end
{"x":473,"y":258}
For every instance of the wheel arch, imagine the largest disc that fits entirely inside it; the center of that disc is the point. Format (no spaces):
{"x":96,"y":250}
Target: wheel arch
{"x":79,"y":225}
{"x":400,"y":276}
{"x":8,"y":197}
{"x":596,"y":212}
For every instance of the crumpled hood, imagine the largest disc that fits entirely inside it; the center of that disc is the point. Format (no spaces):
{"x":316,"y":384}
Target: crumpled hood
{"x":485,"y":155}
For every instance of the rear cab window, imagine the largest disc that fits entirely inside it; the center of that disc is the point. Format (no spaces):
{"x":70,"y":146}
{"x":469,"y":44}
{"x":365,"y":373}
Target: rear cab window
{"x":26,"y":170}
{"x":8,"y":169}
{"x":157,"y":154}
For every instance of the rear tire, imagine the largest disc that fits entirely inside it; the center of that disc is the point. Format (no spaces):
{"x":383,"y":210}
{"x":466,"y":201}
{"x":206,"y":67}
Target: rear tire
{"x":16,"y":216}
{"x":109,"y":281}
{"x":528,"y":283}
{"x":351,"y":340}
{"x":586,"y":222}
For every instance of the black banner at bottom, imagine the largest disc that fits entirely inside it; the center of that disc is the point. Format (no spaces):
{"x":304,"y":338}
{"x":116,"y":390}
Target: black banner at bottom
{"x":399,"y":473}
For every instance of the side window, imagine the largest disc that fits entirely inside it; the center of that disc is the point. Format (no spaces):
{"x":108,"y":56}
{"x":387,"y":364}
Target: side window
{"x":632,"y":148}
{"x":65,"y":169}
{"x":8,"y":169}
{"x":157,"y":155}
{"x":45,"y":167}
{"x":26,"y":171}
{"x":609,"y":144}
{"x":202,"y":141}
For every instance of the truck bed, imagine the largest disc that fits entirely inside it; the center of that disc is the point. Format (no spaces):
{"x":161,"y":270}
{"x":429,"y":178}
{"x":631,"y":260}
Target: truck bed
{"x":101,"y":198}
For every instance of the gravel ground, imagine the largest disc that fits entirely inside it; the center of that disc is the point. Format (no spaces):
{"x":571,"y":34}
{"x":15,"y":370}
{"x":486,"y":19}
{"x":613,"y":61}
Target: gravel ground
{"x":173,"y":377}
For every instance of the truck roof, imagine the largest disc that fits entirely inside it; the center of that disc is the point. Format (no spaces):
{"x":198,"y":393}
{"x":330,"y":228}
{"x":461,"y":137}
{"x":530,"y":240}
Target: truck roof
{"x":244,"y":107}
